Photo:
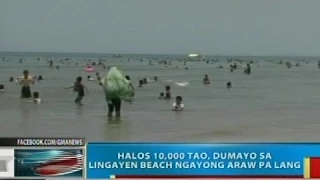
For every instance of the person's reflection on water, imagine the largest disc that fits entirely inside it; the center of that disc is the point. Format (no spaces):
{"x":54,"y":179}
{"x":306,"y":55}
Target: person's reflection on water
{"x":117,"y":129}
{"x":114,"y":120}
{"x":25,"y":113}
{"x":26,"y":125}
{"x":79,"y":112}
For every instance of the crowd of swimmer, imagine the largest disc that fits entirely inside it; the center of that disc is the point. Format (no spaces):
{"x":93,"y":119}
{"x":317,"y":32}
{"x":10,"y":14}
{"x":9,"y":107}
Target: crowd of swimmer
{"x":289,"y":65}
{"x":115,"y":104}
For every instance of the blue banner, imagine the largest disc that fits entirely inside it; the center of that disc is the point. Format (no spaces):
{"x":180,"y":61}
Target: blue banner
{"x":105,"y":160}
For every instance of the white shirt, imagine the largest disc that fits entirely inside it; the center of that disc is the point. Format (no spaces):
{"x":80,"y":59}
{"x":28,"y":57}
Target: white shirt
{"x":178,"y":107}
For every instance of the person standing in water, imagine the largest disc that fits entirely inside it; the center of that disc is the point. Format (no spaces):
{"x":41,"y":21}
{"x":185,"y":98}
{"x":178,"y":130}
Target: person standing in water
{"x":50,"y":63}
{"x":229,"y":85}
{"x":206,"y":79}
{"x":128,"y":78}
{"x":98,"y":77}
{"x":26,"y":82}
{"x":1,"y":88}
{"x":117,"y":88}
{"x":168,"y":92}
{"x":114,"y":104}
{"x":140,"y":83}
{"x":248,"y":69}
{"x":80,"y":89}
{"x":155,"y":78}
{"x":178,"y":105}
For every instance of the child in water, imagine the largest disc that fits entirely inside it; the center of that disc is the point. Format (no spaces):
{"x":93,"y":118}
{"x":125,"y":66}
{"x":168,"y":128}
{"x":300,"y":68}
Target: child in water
{"x":90,"y":78}
{"x":99,"y":79}
{"x":140,"y":83}
{"x":98,"y":76}
{"x":128,"y":78}
{"x":206,"y":79}
{"x":1,"y":88}
{"x":177,"y":105}
{"x":168,"y":92}
{"x":161,"y":96}
{"x":36,"y":98}
{"x":229,"y":85}
{"x":80,"y":89}
{"x":155,"y":78}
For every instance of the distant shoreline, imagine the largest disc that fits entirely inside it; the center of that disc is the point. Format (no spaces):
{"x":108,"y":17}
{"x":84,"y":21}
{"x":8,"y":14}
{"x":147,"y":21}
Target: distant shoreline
{"x":2,"y":53}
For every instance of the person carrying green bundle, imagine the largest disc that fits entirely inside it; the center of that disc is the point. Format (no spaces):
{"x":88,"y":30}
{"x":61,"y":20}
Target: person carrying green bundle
{"x":117,"y":88}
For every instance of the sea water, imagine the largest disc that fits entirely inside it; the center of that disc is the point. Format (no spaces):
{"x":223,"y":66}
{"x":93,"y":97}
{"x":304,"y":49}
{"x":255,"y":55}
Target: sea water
{"x":272,"y":104}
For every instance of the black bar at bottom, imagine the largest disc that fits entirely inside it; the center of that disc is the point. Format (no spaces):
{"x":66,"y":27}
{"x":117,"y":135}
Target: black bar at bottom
{"x":21,"y":141}
{"x":8,"y":141}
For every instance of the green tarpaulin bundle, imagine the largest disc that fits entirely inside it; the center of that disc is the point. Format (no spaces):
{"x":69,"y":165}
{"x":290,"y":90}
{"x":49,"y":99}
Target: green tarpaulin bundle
{"x":117,"y":86}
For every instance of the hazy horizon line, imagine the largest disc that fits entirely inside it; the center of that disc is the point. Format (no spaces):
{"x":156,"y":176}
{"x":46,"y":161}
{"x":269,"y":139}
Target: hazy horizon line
{"x":173,"y":54}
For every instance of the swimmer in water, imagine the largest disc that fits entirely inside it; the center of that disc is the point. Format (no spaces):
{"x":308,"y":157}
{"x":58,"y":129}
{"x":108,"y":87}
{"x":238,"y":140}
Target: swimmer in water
{"x":145,"y":81}
{"x":50,"y":63}
{"x":1,"y":88}
{"x":80,"y":89}
{"x":99,"y":79}
{"x":177,"y":105}
{"x":90,"y":78}
{"x":36,"y":98}
{"x":229,"y":85}
{"x":248,"y":69}
{"x":168,"y":92}
{"x":98,"y":76}
{"x":130,"y":84}
{"x":206,"y":79}
{"x":140,"y":83}
{"x":26,"y":82}
{"x":161,"y":96}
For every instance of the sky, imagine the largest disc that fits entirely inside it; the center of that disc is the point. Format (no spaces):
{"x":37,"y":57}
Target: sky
{"x":215,"y":27}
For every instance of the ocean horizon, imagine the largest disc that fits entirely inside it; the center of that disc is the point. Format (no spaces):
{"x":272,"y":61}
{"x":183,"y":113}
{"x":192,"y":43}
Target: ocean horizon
{"x":95,"y":55}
